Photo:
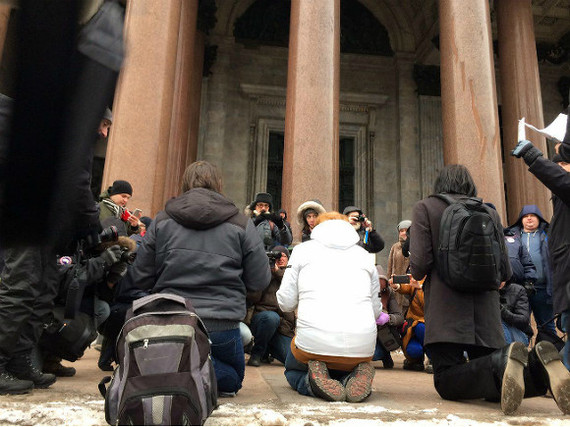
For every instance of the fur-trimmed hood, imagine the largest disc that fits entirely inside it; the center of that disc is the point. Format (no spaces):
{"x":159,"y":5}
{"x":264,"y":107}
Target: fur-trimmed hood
{"x":309,"y":204}
{"x":122,"y":241}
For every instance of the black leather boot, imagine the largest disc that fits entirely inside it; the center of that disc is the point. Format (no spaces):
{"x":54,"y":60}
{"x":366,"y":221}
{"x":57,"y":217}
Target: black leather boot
{"x":508,"y":366}
{"x":9,"y":384}
{"x":552,"y":372}
{"x":21,"y":367}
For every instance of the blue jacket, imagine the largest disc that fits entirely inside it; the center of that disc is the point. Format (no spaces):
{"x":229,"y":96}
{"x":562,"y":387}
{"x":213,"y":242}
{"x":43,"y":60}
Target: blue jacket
{"x":515,"y":232}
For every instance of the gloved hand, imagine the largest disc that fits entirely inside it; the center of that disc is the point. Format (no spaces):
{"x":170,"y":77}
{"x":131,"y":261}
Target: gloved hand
{"x":529,"y":287}
{"x":277,"y":220}
{"x":111,"y":256}
{"x":258,"y":219}
{"x":117,"y":271}
{"x":527,"y":151}
{"x":383,"y":319}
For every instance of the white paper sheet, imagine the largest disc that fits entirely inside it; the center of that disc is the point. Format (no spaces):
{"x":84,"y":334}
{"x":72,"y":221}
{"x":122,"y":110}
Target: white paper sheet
{"x":555,"y":130}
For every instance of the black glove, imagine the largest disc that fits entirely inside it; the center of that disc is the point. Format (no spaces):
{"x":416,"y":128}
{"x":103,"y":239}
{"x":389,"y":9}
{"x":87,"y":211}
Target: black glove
{"x":111,"y":256}
{"x":527,"y":151}
{"x":117,"y":271}
{"x":258,"y":220}
{"x":529,"y":287}
{"x":277,"y":220}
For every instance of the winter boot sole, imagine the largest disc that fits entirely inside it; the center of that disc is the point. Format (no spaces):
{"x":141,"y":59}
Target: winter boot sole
{"x":322,"y":384}
{"x":359,"y":386}
{"x":558,"y":375}
{"x":512,"y":388}
{"x":45,"y":383}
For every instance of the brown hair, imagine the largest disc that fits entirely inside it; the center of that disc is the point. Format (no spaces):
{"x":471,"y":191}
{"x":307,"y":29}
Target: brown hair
{"x":330,"y":215}
{"x":202,"y":174}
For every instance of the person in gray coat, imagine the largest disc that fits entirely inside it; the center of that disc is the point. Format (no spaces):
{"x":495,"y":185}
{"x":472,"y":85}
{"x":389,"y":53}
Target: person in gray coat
{"x":458,"y":322}
{"x":202,"y":248}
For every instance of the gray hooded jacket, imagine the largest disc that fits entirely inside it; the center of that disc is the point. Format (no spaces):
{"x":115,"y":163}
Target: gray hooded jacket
{"x":202,"y":248}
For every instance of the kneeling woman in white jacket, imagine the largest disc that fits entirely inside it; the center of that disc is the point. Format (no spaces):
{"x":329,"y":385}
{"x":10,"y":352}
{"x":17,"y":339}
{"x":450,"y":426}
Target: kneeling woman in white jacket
{"x":334,"y":286}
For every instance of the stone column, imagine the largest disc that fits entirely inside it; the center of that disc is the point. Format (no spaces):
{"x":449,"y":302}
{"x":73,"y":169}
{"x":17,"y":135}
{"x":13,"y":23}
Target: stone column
{"x":310,"y":164}
{"x":410,"y":170}
{"x":520,"y":97}
{"x":468,"y":95}
{"x":196,"y":96}
{"x":183,"y":99}
{"x":147,"y":145}
{"x":4,"y":18}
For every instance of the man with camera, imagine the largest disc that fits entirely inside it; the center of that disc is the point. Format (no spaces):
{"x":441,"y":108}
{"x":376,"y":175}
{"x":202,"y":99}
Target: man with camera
{"x":270,"y":226}
{"x":114,"y":204}
{"x":369,"y":238}
{"x":272,"y":329}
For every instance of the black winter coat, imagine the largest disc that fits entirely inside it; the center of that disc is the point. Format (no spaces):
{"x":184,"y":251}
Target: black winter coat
{"x":452,"y":316}
{"x":515,"y":310}
{"x":203,"y":249}
{"x":558,"y":181}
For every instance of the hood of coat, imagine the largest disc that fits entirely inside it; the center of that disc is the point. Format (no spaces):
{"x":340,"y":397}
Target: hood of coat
{"x":336,"y":234}
{"x":530,"y":209}
{"x":200,"y":209}
{"x":309,"y":204}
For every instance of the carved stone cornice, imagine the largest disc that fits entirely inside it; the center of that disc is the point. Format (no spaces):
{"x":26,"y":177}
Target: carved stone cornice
{"x":349,"y":101}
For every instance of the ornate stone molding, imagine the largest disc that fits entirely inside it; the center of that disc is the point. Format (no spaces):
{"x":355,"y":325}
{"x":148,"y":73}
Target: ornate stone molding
{"x":349,"y":101}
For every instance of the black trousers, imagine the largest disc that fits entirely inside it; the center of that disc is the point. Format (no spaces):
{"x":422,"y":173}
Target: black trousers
{"x":457,"y":379}
{"x":28,"y":288}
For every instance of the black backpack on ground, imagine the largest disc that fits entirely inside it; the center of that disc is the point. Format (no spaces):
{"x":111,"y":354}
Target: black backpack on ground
{"x":470,"y":245}
{"x":68,"y":338}
{"x":165,"y":374}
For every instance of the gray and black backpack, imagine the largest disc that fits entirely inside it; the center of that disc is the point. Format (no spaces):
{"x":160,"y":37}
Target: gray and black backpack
{"x":165,"y":374}
{"x":470,"y":245}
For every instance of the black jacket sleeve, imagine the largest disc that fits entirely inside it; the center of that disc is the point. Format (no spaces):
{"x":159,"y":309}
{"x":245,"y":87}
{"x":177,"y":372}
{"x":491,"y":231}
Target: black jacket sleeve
{"x":553,"y":177}
{"x":528,"y":265}
{"x":375,"y":242}
{"x":516,"y":311}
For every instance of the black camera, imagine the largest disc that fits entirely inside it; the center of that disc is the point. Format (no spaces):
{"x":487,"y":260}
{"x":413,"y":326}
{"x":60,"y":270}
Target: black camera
{"x":361,"y":218}
{"x":109,"y":234}
{"x":273,"y":255}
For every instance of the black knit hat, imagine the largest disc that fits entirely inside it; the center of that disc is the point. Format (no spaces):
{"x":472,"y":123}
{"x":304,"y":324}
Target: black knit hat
{"x":262,"y":198}
{"x":121,"y":187}
{"x":146,"y":220}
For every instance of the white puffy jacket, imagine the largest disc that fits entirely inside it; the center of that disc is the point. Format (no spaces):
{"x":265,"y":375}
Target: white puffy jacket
{"x":335,"y":287}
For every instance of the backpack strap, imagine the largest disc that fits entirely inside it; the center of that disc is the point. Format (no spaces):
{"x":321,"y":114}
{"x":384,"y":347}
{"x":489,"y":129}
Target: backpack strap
{"x":461,"y":198}
{"x":445,"y":197}
{"x":149,"y":299}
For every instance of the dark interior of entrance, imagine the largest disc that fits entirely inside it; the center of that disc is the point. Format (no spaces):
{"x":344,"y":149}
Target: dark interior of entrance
{"x":275,"y":170}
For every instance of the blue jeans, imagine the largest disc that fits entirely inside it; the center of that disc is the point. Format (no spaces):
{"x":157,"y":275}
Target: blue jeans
{"x":513,"y":334}
{"x":379,"y":352}
{"x":542,"y":308}
{"x":228,"y":359}
{"x":267,"y":340}
{"x":297,"y":375}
